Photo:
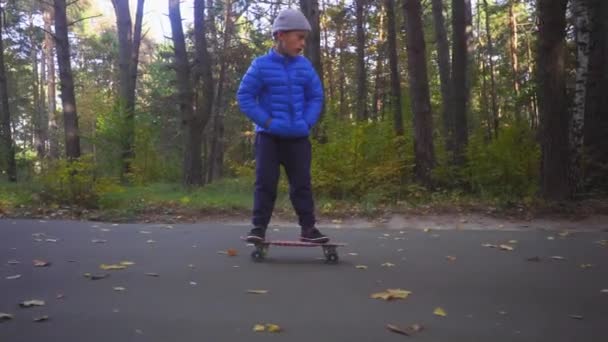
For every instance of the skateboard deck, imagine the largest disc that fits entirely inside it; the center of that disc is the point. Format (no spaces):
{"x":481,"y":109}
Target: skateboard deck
{"x":261,"y":248}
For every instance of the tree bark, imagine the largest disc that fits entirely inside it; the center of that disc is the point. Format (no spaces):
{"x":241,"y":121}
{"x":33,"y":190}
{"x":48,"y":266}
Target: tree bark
{"x":459,"y":79}
{"x":581,"y":17}
{"x":394,"y":68}
{"x":7,"y":149}
{"x":596,"y":108}
{"x":419,"y":92}
{"x":68,"y":99}
{"x":362,"y":113}
{"x":513,"y":43}
{"x":217,"y":143}
{"x":494,"y":101}
{"x":49,"y":48}
{"x":443,"y":62}
{"x":552,"y":99}
{"x":129,"y":40}
{"x":330,"y":72}
{"x":192,"y":163}
{"x":37,"y":118}
{"x":378,"y":77}
{"x":310,"y":8}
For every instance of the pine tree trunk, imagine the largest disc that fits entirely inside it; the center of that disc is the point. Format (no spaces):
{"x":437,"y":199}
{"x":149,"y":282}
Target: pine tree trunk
{"x":513,"y":43}
{"x":68,"y":99}
{"x":483,"y":97}
{"x":217,"y":143}
{"x":533,"y":101}
{"x":362,"y":113}
{"x":329,"y":60}
{"x":310,"y":8}
{"x":419,"y":92}
{"x":552,"y":99}
{"x":492,"y":74}
{"x":459,"y":79}
{"x":596,"y":108}
{"x":7,"y":148}
{"x":36,"y":115}
{"x":42,"y":108}
{"x":378,"y":77}
{"x":581,"y":16}
{"x":49,"y":47}
{"x":342,"y":44}
{"x":129,"y":40}
{"x":443,"y":62}
{"x":192,"y":164}
{"x":394,"y":66}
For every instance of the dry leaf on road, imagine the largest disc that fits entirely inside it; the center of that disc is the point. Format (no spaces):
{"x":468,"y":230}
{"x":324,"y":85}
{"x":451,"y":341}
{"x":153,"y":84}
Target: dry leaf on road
{"x":506,"y":248}
{"x":5,"y":317}
{"x":30,"y":303}
{"x":388,"y":264}
{"x":41,"y":319}
{"x":41,"y":263}
{"x":440,"y":312}
{"x":391,"y":294}
{"x":361,"y":267}
{"x":272,"y":328}
{"x":585,"y":266}
{"x":396,"y":329}
{"x":451,"y":258}
{"x":13,"y":277}
{"x":107,"y":267}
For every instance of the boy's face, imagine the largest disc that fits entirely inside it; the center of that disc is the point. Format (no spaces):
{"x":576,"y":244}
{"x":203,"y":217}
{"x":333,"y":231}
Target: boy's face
{"x":292,"y":42}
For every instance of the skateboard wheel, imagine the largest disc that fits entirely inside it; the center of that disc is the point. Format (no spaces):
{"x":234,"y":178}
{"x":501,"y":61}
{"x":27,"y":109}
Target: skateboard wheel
{"x":332,"y":258}
{"x":257,"y":255}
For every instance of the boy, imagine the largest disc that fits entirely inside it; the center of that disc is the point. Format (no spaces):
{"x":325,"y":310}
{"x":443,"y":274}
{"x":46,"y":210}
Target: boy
{"x":282,"y":94}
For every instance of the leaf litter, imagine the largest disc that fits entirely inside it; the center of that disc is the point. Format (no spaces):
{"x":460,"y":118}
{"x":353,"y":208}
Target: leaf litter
{"x":391,"y":294}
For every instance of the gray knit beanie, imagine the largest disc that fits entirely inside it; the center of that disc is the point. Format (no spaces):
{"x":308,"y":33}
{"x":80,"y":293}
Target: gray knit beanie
{"x":290,"y":20}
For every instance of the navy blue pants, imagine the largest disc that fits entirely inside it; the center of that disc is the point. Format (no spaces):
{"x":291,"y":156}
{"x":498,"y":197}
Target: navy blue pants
{"x":295,"y":155}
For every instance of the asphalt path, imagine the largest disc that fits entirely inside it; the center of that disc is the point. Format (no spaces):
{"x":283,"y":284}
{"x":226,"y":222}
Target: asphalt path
{"x":199,"y":291}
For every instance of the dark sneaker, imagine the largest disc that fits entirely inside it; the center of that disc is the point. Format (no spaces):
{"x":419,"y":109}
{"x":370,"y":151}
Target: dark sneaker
{"x":313,"y":235}
{"x":257,"y":234}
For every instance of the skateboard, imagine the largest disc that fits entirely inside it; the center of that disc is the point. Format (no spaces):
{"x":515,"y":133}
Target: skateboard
{"x":329,"y":249}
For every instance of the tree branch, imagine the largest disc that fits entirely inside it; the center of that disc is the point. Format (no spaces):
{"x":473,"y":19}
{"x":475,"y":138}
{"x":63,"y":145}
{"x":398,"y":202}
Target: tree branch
{"x":83,"y":19}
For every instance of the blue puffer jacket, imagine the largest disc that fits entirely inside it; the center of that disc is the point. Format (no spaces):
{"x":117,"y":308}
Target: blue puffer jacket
{"x":284,"y":89}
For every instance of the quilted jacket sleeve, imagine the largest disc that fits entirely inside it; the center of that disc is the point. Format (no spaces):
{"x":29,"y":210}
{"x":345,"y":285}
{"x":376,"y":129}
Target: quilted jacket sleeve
{"x":247,"y":96}
{"x":313,"y":94}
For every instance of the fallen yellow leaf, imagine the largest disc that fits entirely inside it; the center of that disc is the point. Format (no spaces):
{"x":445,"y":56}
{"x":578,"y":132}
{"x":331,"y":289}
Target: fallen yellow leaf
{"x":361,"y":267}
{"x":273,"y":328}
{"x":388,"y":264}
{"x":512,"y":241}
{"x":391,"y":294}
{"x":506,"y":247}
{"x":112,"y":267}
{"x":584,"y":266}
{"x":440,"y":312}
{"x":127,"y":263}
